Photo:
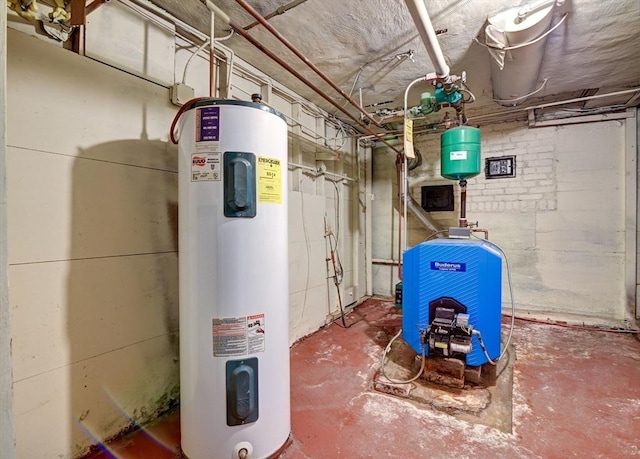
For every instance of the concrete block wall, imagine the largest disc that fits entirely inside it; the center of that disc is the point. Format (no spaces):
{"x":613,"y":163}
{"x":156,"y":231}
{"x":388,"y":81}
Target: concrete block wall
{"x":561,"y":220}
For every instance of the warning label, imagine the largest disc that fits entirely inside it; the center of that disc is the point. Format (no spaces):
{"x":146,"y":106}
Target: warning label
{"x":229,"y":336}
{"x":269,"y":180}
{"x":238,"y":335}
{"x":205,"y":167}
{"x":208,"y":124}
{"x":255,"y":338}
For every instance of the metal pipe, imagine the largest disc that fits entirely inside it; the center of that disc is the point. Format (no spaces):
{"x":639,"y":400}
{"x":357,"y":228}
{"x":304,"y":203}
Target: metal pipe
{"x":138,"y":5}
{"x":304,"y":59}
{"x":317,"y":90}
{"x":218,"y":12}
{"x":463,"y":203}
{"x":405,"y":193}
{"x":421,"y":215}
{"x":382,"y":261}
{"x":94,"y":5}
{"x":281,"y":10}
{"x":420,"y":16}
{"x":368,"y":219}
{"x":399,"y":165}
{"x":482,"y":230}
{"x":355,"y":223}
{"x":318,"y":173}
{"x":212,"y":57}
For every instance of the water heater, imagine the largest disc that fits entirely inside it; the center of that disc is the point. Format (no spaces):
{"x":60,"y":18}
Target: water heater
{"x":234,"y":293}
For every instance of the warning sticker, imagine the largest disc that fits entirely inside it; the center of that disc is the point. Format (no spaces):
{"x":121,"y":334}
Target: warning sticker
{"x":238,"y":335}
{"x":408,"y":139}
{"x":269,"y":180}
{"x":208,"y":124}
{"x":229,"y":336}
{"x":256,"y":328}
{"x":205,"y":167}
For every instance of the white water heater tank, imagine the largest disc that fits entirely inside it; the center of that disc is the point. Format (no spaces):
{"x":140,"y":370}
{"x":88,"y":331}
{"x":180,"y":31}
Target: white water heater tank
{"x":234,"y":292}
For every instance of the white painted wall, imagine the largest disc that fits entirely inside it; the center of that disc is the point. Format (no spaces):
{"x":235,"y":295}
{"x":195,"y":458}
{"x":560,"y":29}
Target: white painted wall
{"x":7,"y":425}
{"x":93,"y":251}
{"x":561,"y":220}
{"x":93,"y":242}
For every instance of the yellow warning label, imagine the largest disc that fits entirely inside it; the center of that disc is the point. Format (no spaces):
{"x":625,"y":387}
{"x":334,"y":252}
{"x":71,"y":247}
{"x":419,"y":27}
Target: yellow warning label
{"x":269,"y":180}
{"x":408,"y":139}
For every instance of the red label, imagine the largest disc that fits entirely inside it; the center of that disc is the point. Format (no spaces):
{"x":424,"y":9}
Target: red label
{"x":199,"y":161}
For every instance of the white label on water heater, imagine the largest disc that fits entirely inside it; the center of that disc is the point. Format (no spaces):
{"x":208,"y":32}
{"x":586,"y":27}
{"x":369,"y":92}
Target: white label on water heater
{"x":238,"y":335}
{"x":457,"y":156}
{"x":255,"y":335}
{"x":206,"y":167}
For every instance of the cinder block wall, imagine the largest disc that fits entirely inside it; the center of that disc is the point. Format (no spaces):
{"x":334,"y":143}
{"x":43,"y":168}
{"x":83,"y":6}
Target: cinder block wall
{"x":561,"y":220}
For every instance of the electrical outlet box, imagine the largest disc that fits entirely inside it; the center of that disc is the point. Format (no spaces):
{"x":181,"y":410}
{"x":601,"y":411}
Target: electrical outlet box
{"x":181,"y":93}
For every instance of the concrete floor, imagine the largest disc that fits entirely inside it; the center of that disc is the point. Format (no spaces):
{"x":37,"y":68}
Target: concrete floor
{"x":576,"y":393}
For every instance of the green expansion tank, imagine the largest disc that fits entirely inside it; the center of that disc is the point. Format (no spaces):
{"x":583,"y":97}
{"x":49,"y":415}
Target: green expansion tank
{"x":460,"y":153}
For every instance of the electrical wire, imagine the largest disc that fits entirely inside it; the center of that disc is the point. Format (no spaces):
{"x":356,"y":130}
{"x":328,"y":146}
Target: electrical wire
{"x":187,"y":106}
{"x":513,"y":305}
{"x":337,"y":209}
{"x":434,"y":234}
{"x":197,"y":51}
{"x":518,"y":99}
{"x":307,"y":245}
{"x":337,"y":267}
{"x":384,"y":356}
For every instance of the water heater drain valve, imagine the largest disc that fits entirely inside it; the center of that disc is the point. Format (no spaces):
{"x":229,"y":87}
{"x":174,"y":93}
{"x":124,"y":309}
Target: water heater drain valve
{"x":449,"y":333}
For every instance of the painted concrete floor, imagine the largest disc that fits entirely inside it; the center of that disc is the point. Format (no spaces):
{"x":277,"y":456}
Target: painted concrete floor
{"x":576,"y":394}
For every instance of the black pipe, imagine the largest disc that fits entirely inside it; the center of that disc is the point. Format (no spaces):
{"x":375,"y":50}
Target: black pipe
{"x":463,"y":203}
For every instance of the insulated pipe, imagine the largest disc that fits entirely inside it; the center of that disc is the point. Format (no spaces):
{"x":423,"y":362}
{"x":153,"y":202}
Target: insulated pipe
{"x":310,"y":64}
{"x":240,"y":31}
{"x":422,"y":21}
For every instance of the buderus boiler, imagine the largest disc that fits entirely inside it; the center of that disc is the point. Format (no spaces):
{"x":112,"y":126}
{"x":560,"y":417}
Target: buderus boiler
{"x":234,"y":293}
{"x":451,"y":288}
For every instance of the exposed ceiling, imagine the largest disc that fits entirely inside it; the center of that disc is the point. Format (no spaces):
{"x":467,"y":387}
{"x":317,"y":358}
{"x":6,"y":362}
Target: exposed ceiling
{"x":374,"y":45}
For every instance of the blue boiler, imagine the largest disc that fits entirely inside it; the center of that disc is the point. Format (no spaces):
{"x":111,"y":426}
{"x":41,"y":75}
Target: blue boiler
{"x":452,"y":287}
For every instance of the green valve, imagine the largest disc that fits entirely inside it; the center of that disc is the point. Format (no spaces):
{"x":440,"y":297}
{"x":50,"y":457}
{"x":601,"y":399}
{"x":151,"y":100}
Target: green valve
{"x":460,"y":153}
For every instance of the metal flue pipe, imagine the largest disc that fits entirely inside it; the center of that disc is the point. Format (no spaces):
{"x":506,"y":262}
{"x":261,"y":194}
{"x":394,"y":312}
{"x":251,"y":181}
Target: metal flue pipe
{"x":304,"y":59}
{"x":240,"y":31}
{"x":422,"y":21}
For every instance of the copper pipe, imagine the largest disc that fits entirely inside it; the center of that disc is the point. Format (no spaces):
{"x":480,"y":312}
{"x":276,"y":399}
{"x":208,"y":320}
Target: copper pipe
{"x":91,"y":7}
{"x":304,"y":59}
{"x":463,"y":203}
{"x":240,"y":31}
{"x":281,"y":10}
{"x":482,"y":230}
{"x":400,"y":164}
